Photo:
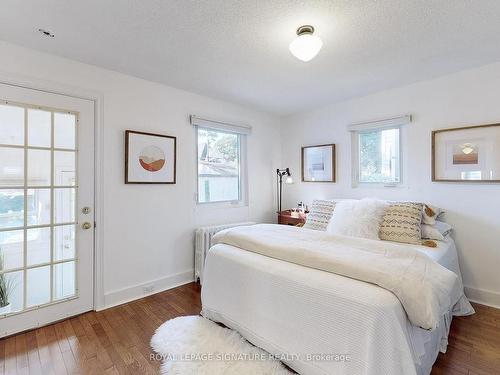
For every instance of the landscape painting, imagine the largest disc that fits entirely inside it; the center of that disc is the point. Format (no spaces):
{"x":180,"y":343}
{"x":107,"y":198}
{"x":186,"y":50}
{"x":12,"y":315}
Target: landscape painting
{"x":318,"y":163}
{"x":149,"y":158}
{"x":465,"y":153}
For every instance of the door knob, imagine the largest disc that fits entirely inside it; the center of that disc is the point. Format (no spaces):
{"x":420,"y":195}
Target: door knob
{"x":86,"y":225}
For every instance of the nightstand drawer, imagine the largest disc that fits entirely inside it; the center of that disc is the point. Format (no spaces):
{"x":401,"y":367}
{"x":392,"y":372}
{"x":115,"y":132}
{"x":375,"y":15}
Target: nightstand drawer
{"x":291,"y":218}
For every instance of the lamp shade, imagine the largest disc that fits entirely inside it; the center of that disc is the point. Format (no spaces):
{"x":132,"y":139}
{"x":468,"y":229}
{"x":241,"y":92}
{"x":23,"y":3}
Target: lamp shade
{"x":305,"y":47}
{"x":289,"y":180}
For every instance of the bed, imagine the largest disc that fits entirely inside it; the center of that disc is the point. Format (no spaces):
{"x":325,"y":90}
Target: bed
{"x":319,"y":322}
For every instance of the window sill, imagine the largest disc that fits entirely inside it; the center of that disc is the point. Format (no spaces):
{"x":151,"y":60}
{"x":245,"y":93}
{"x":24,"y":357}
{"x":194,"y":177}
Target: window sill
{"x":379,"y":185}
{"x":220,"y":205}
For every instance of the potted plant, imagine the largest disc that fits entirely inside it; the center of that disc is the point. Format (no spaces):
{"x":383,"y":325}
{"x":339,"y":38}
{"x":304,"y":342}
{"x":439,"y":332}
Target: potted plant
{"x":5,"y":289}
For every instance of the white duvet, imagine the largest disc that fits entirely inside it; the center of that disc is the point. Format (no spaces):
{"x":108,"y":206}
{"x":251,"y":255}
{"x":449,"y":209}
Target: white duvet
{"x":426,"y":290}
{"x":286,"y":308}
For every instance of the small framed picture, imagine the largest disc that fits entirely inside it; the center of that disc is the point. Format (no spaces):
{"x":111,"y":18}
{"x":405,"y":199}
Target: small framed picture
{"x":149,"y":158}
{"x":318,"y":163}
{"x":468,"y":154}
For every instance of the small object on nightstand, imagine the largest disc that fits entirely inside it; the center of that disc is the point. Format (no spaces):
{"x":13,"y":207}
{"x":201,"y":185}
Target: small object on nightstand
{"x":291,"y":217}
{"x":300,"y":207}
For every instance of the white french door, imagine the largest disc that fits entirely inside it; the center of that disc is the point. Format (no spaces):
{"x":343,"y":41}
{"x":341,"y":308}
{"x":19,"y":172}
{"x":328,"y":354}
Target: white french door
{"x":46,"y":207}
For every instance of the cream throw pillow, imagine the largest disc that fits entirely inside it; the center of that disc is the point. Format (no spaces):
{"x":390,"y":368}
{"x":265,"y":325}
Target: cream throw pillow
{"x":360,"y":218}
{"x":320,"y":214}
{"x":402,"y":223}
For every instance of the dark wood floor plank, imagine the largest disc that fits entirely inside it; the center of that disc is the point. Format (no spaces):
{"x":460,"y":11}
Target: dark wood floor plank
{"x":101,"y":354}
{"x":2,"y":357}
{"x":10,"y":356}
{"x":35,"y":366}
{"x":116,"y":340}
{"x":56,"y":357}
{"x":22,"y":353}
{"x":43,"y":352}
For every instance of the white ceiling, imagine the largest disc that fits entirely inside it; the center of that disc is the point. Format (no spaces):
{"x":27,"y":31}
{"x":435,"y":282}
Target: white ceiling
{"x":238,"y":50}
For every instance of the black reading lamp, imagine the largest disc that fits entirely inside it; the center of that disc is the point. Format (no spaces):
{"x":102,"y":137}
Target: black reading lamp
{"x":279,"y":182}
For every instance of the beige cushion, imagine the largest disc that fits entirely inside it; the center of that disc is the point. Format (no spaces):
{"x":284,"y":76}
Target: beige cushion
{"x":401,"y":223}
{"x":320,"y":214}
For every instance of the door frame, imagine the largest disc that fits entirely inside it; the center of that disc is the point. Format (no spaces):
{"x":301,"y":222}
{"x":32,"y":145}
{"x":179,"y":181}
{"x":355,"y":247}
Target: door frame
{"x":97,"y":97}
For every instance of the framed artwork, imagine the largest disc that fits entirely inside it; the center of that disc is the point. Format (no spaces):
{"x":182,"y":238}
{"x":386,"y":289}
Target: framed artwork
{"x":318,"y":163}
{"x":149,"y":158}
{"x":468,"y":154}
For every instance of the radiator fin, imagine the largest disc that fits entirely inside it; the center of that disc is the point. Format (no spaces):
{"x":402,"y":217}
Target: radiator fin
{"x":203,"y":242}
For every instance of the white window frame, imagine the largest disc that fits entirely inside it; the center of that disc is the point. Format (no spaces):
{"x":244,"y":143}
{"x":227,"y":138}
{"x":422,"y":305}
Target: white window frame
{"x":242,"y":131}
{"x":378,"y":125}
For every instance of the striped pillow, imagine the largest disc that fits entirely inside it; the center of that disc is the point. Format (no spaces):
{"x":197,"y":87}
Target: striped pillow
{"x":320,"y":214}
{"x":401,"y":223}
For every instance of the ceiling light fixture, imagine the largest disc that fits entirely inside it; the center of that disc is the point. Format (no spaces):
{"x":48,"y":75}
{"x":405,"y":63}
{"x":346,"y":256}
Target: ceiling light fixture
{"x":46,"y":33}
{"x":306,"y":46}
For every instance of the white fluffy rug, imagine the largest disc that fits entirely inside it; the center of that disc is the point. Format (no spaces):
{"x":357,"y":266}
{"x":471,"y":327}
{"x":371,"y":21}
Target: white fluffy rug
{"x":192,"y":345}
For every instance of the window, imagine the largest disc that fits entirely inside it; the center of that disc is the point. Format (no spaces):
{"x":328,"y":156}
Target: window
{"x":379,"y":156}
{"x":219,"y":166}
{"x":376,"y":151}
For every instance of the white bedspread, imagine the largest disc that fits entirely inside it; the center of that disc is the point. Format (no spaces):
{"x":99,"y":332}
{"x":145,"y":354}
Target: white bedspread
{"x":334,"y":324}
{"x":426,"y":289}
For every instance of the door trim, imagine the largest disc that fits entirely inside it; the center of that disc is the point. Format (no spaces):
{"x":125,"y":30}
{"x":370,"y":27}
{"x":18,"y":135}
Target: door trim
{"x":32,"y":83}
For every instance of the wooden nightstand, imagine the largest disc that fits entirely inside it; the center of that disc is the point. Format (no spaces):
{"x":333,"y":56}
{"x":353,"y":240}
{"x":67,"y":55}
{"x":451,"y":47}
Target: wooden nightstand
{"x":289,"y":217}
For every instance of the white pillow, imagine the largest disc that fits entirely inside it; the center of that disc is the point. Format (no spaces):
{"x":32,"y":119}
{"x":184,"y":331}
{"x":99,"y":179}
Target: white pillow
{"x":438,"y":231}
{"x":431,"y":233}
{"x":360,"y":218}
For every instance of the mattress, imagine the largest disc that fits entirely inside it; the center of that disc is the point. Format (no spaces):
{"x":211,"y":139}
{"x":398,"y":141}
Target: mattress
{"x":318,"y":322}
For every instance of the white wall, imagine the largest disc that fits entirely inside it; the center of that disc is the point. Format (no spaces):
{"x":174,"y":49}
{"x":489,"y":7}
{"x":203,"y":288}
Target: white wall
{"x":466,"y":98}
{"x":148,"y":230}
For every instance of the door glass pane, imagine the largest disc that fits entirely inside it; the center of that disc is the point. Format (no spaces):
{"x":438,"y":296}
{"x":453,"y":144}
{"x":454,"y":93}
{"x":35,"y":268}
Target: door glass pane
{"x":64,"y":168}
{"x":15,"y":288}
{"x":64,"y":130}
{"x":39,"y":128}
{"x":11,"y":208}
{"x":37,"y":286}
{"x":38,"y":206}
{"x":64,"y":205}
{"x":64,"y":280}
{"x":38,"y":246}
{"x":11,"y":249}
{"x":11,"y":166}
{"x":64,"y":239}
{"x":11,"y":125}
{"x":37,"y":158}
{"x":39,"y":168}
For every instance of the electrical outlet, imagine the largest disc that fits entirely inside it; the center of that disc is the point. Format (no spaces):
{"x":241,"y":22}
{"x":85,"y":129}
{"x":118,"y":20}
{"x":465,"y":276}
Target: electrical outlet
{"x":146,"y":289}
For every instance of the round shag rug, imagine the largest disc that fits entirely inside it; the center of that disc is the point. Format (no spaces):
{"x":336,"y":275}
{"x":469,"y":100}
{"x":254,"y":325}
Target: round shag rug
{"x":191,"y":345}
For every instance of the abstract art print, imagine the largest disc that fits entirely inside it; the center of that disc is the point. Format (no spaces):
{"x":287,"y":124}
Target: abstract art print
{"x":318,"y":163}
{"x":468,"y":154}
{"x":149,"y":158}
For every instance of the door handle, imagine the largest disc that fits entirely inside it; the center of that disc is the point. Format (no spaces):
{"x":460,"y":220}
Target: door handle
{"x":86,"y":225}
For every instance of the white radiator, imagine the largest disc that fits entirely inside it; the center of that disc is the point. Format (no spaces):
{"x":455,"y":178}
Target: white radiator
{"x":203,"y":242}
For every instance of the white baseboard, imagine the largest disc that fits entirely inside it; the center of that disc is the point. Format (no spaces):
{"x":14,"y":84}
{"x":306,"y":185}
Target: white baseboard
{"x":121,"y":296}
{"x":484,"y":297}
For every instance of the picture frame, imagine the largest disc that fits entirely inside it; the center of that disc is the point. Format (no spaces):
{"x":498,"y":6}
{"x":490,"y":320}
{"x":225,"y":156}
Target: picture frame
{"x":319,"y":163}
{"x":150,"y":158}
{"x":466,"y":154}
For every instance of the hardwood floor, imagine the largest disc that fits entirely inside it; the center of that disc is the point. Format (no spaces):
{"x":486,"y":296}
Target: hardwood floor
{"x":116,"y":341}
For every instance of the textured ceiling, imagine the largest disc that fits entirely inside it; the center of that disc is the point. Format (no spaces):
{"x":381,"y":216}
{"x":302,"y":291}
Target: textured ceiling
{"x":238,"y":50}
